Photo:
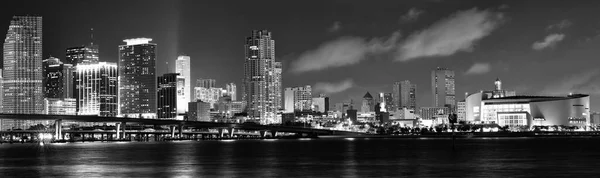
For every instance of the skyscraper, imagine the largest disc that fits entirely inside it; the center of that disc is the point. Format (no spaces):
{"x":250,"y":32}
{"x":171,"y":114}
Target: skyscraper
{"x":205,"y":83}
{"x":231,"y":91}
{"x":1,"y":94}
{"x":387,"y":99}
{"x":96,"y":87}
{"x":262,"y":77}
{"x":167,"y":96}
{"x":298,"y":99}
{"x":137,"y":78}
{"x":321,"y":104}
{"x":405,"y":95}
{"x":368,"y":105}
{"x":183,"y":68}
{"x":23,"y":73}
{"x":85,"y":54}
{"x":58,"y":79}
{"x":442,"y":88}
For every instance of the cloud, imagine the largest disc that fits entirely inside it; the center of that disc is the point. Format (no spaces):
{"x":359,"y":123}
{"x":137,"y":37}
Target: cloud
{"x":550,"y":41}
{"x":560,"y":25}
{"x":341,"y":52}
{"x":330,"y":88}
{"x":412,"y":15}
{"x":587,"y":82}
{"x":336,"y":26}
{"x":479,"y":68}
{"x":459,"y":32}
{"x":503,"y":6}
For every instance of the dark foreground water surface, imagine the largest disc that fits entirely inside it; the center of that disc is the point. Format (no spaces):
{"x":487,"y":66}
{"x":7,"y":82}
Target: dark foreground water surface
{"x":504,"y":157}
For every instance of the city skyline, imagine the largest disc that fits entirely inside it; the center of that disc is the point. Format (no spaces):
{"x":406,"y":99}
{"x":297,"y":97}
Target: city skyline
{"x":566,"y":36}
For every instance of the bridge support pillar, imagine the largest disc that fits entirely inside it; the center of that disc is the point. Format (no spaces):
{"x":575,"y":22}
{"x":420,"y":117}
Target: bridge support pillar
{"x":263,"y":133}
{"x":180,"y":131}
{"x":221,"y":130}
{"x":172,"y":131}
{"x":273,"y":133}
{"x":57,"y":129}
{"x":230,"y":132}
{"x":123,"y":125}
{"x":118,"y":130}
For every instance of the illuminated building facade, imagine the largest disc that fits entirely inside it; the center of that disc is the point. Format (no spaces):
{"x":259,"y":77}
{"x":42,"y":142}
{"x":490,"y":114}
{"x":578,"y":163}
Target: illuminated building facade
{"x":96,"y":89}
{"x":82,"y":55}
{"x":209,"y":95}
{"x":298,"y":99}
{"x":491,"y":107}
{"x":58,"y":79}
{"x":443,"y":88}
{"x":168,"y":103}
{"x":262,"y":77}
{"x":368,"y":104}
{"x":183,"y":68}
{"x":137,"y":78}
{"x":231,"y":91}
{"x":206,"y":83}
{"x":388,"y":100}
{"x":60,"y":106}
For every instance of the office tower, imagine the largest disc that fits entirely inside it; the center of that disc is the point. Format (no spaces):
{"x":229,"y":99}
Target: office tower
{"x":262,"y":77}
{"x":137,"y":78}
{"x":183,"y":68}
{"x":1,"y":94}
{"x":434,"y":112}
{"x":209,"y":95}
{"x":442,"y":88}
{"x":388,"y":100}
{"x":321,"y":104}
{"x":368,"y":105}
{"x":96,"y":89}
{"x":405,"y":95}
{"x":85,"y":54}
{"x":198,"y":111}
{"x":60,"y":106}
{"x":58,"y":79}
{"x":23,"y":73}
{"x":461,"y":110}
{"x":205,"y":83}
{"x":231,"y":91}
{"x":181,"y":96}
{"x":167,"y":96}
{"x":298,"y":99}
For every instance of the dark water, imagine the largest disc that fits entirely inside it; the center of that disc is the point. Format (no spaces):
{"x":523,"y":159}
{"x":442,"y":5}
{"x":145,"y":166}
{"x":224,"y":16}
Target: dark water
{"x":513,"y":157}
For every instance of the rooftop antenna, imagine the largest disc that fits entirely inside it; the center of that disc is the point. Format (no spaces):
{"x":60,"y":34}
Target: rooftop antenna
{"x":92,"y":36}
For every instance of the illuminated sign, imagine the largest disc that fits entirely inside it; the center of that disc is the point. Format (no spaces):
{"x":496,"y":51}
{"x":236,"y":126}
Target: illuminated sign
{"x":539,"y":119}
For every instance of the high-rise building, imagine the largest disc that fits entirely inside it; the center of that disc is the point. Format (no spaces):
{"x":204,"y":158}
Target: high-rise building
{"x":368,"y":104}
{"x":387,"y":98}
{"x":461,"y":110}
{"x":96,"y":89}
{"x":137,"y":78}
{"x":167,"y":96}
{"x":1,"y":94}
{"x":23,"y":73}
{"x":434,"y":112}
{"x":206,"y":83}
{"x":298,"y":99}
{"x":321,"y":104}
{"x":442,"y":88}
{"x":58,"y":79}
{"x":231,"y":91}
{"x":181,"y":98}
{"x":60,"y":106}
{"x":209,"y":95}
{"x":183,"y":68}
{"x":262,"y":77}
{"x":85,"y":54}
{"x":405,"y":95}
{"x":198,"y":111}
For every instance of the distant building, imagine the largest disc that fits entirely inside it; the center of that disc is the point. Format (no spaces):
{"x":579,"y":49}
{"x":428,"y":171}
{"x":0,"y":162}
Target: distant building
{"x":403,"y":113}
{"x":167,"y":96}
{"x":298,"y":99}
{"x":388,"y":100}
{"x":461,"y":110}
{"x":1,"y":94}
{"x":434,"y":112}
{"x":87,"y":54}
{"x":60,"y":106}
{"x":353,"y":115}
{"x":198,"y":111}
{"x":206,"y":83}
{"x":58,"y":79}
{"x":209,"y":95}
{"x":182,"y":66}
{"x":595,"y":118}
{"x":230,"y":90}
{"x":443,"y":88}
{"x":405,"y":95}
{"x":137,"y":78}
{"x":96,"y":89}
{"x":321,"y":104}
{"x":368,"y":104}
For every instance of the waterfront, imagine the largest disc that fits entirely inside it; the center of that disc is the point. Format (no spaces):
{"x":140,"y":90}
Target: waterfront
{"x":485,"y":157}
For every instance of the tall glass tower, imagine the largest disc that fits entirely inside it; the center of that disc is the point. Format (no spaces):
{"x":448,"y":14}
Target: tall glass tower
{"x":23,"y":78}
{"x":442,"y":88}
{"x":262,"y":77}
{"x":183,"y":68}
{"x":137,"y":78}
{"x":96,"y":89}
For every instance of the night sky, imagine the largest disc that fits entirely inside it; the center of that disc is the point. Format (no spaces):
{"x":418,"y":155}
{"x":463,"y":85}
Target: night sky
{"x":346,"y":48}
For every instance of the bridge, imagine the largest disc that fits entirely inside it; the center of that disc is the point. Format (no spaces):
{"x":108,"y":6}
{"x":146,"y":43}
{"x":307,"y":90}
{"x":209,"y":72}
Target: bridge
{"x":174,"y":125}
